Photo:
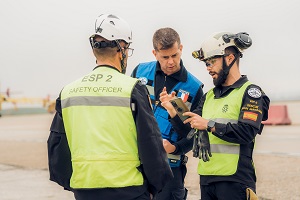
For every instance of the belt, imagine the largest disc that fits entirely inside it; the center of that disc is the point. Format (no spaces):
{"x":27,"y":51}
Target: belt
{"x":174,"y":157}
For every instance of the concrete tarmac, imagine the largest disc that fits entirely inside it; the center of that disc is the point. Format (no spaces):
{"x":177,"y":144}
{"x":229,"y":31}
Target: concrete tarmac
{"x":24,"y":174}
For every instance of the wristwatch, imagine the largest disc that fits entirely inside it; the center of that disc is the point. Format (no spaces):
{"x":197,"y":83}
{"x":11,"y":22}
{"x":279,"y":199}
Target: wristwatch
{"x":210,"y":125}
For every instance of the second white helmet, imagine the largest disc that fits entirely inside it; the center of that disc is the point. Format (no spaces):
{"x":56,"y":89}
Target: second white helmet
{"x":218,"y":42}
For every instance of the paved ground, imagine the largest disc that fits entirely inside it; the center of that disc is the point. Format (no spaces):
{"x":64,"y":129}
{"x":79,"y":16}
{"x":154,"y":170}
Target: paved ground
{"x":24,"y":175}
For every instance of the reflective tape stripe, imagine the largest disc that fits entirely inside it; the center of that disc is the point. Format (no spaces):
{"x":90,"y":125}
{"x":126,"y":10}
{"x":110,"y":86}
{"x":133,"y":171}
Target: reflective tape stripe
{"x":225,"y":148}
{"x":150,"y":89}
{"x":95,"y":101}
{"x":225,"y":121}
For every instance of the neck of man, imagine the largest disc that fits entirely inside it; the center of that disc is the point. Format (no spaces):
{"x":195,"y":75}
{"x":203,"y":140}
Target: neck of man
{"x":233,"y":76}
{"x":111,"y":62}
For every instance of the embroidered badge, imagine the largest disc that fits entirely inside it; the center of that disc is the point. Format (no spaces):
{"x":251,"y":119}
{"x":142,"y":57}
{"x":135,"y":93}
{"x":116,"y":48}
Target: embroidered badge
{"x":143,"y":80}
{"x":250,"y":115}
{"x":184,"y":95}
{"x":254,"y":92}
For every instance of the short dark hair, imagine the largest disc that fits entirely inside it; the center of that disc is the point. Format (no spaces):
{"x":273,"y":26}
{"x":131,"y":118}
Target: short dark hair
{"x":165,"y":38}
{"x":104,"y":52}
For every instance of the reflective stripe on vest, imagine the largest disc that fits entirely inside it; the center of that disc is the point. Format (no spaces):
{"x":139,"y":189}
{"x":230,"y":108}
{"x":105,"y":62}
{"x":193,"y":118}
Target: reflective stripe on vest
{"x":225,"y":155}
{"x":101,"y":130}
{"x":95,"y":101}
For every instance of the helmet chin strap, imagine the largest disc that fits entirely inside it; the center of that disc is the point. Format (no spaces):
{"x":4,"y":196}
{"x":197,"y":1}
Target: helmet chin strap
{"x":123,"y":67}
{"x":226,"y":68}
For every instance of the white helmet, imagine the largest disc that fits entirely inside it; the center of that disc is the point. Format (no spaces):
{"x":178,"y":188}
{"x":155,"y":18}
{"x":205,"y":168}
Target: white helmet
{"x":112,"y":27}
{"x":218,"y":42}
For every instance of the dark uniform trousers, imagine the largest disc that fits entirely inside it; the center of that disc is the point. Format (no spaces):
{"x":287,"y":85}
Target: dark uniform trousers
{"x":224,"y":190}
{"x":113,"y":194}
{"x":174,"y":189}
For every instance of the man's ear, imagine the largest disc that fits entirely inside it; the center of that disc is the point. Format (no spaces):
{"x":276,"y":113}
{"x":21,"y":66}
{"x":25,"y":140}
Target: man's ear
{"x":230,"y":58}
{"x":181,"y":47}
{"x":154,"y":52}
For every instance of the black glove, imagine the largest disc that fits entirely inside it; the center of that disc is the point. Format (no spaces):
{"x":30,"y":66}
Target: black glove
{"x":204,"y":146}
{"x":195,"y":145}
{"x":191,"y":134}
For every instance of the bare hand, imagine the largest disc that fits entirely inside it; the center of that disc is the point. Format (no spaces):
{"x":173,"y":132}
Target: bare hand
{"x":196,"y":121}
{"x":169,"y":148}
{"x":165,"y":98}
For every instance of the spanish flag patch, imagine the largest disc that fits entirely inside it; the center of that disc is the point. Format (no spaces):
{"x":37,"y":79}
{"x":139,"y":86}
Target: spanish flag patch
{"x":250,"y":115}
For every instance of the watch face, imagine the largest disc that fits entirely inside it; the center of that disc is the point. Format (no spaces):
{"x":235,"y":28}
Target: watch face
{"x":211,"y":124}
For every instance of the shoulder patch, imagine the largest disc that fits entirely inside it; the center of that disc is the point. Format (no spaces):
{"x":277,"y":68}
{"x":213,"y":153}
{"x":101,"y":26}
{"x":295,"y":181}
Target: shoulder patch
{"x":254,"y":92}
{"x":250,"y":115}
{"x":143,"y":80}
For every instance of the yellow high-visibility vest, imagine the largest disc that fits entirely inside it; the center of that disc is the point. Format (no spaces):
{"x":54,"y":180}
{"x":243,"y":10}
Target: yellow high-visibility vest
{"x":101,"y":131}
{"x":225,"y":155}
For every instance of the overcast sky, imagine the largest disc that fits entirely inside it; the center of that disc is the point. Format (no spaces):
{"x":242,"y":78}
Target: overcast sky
{"x":44,"y":43}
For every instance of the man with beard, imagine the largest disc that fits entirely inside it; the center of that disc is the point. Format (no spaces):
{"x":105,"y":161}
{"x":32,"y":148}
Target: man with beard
{"x":231,"y":113}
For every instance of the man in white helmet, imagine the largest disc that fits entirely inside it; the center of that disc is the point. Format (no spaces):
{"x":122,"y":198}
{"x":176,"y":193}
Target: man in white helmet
{"x":104,"y":141}
{"x":228,"y":118}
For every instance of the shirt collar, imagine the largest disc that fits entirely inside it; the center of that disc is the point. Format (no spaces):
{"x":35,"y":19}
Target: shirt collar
{"x":222,"y":91}
{"x":108,"y":66}
{"x":181,"y":75}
